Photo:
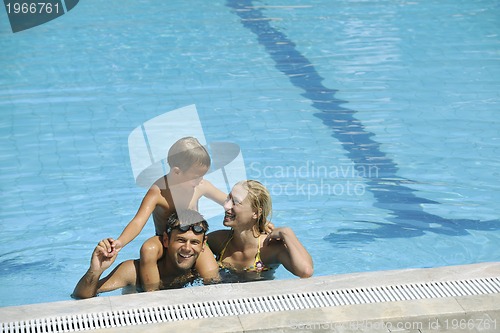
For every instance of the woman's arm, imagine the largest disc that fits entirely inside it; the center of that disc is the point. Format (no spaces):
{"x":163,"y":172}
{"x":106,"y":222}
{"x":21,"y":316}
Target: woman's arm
{"x":291,"y":253}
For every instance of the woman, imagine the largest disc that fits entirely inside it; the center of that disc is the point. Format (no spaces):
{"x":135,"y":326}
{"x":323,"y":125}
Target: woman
{"x":246,"y":250}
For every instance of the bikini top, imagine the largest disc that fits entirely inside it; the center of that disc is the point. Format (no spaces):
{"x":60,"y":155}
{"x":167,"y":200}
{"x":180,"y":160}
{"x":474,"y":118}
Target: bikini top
{"x":258,"y":265}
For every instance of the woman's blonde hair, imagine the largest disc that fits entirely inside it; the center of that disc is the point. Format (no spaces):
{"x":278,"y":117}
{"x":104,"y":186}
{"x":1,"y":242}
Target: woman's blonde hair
{"x":260,"y":200}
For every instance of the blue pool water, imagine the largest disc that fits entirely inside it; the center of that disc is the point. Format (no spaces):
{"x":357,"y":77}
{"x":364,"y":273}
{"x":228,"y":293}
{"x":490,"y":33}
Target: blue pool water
{"x":373,"y":123}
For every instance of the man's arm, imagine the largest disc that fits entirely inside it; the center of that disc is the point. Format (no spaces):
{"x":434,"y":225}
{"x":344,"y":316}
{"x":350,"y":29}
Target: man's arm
{"x":90,"y":284}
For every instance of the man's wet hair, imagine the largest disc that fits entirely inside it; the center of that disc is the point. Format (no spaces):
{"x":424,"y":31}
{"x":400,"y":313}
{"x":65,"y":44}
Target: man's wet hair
{"x":186,"y":218}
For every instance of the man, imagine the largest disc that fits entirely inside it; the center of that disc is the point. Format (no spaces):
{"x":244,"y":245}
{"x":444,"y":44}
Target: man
{"x":183,"y":242}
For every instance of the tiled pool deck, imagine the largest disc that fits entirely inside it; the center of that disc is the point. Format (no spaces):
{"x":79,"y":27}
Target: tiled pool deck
{"x":477,"y":313}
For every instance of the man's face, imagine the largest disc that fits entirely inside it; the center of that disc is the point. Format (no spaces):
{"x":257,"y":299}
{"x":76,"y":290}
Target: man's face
{"x":183,"y":248}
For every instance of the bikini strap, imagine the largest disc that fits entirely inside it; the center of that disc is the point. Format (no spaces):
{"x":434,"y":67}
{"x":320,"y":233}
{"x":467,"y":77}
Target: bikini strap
{"x":257,"y":256}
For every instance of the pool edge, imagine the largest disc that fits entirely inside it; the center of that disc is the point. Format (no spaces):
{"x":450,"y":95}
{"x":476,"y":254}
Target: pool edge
{"x":477,"y":309}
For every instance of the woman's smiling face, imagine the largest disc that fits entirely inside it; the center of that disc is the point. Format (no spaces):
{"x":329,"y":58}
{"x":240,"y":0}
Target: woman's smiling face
{"x":238,"y":208}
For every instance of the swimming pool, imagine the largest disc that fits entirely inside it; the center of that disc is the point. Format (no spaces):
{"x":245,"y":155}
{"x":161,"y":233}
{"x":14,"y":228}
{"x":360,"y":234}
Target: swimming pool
{"x":372,"y":123}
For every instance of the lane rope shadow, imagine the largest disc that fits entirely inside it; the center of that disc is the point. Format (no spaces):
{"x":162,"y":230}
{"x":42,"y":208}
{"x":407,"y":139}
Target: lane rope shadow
{"x":389,"y":190}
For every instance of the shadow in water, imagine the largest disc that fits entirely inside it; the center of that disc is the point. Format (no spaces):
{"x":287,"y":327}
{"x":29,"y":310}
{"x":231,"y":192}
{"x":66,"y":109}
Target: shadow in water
{"x":408,"y":218}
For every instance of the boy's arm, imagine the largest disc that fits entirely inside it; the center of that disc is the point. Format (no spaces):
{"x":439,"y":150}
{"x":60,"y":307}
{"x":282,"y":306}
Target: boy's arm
{"x":89,"y":285}
{"x":212,"y":192}
{"x":135,"y":226}
{"x":292,"y":253}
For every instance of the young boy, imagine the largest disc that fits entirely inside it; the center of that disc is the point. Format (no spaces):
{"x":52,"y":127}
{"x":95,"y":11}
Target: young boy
{"x":180,"y":189}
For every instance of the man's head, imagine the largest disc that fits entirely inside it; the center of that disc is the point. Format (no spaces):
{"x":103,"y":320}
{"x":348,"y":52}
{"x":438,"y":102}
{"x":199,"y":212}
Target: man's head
{"x":184,"y":238}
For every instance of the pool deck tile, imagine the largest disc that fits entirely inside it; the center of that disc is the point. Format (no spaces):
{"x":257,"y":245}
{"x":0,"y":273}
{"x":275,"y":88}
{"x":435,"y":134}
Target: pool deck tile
{"x":447,"y":314}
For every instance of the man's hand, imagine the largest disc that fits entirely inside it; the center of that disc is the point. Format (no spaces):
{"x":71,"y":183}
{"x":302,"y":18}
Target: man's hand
{"x":103,"y":256}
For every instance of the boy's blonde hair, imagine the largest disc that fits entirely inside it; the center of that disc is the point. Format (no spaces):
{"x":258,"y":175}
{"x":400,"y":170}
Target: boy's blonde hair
{"x":261,"y":202}
{"x":187,"y":152}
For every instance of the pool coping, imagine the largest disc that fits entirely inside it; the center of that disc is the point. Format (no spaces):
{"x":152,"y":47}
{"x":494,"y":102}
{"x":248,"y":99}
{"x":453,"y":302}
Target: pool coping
{"x":475,"y":310}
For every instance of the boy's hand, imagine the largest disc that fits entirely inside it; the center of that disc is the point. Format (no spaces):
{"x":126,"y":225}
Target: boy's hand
{"x":116,"y":246}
